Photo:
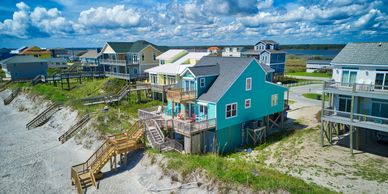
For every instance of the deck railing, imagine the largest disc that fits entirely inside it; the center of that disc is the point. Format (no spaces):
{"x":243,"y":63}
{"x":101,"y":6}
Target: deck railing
{"x":149,"y":113}
{"x":356,"y":116}
{"x":355,"y":87}
{"x":117,"y":75}
{"x":161,"y":87}
{"x":113,"y":62}
{"x":188,"y":127}
{"x":179,"y":95}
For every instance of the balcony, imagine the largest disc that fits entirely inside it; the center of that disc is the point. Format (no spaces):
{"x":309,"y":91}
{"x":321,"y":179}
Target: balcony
{"x":162,"y":88}
{"x":179,"y":95}
{"x":363,"y":90}
{"x":181,"y":126}
{"x":359,"y":120}
{"x":113,"y":62}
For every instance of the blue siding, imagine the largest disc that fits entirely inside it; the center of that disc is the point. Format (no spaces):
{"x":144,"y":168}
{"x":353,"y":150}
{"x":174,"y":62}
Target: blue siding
{"x":208,"y":82}
{"x":27,"y":71}
{"x":260,"y":95}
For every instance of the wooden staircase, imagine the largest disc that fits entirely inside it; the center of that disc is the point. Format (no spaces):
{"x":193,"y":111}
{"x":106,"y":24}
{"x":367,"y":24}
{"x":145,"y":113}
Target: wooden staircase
{"x":12,"y":96}
{"x":43,"y":117}
{"x":4,"y":85}
{"x":74,"y":129}
{"x":108,"y":99}
{"x":85,"y":174}
{"x":37,"y":79}
{"x":154,"y":134}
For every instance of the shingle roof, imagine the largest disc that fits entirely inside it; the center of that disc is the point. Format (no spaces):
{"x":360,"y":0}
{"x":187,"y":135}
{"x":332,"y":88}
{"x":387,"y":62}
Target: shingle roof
{"x":199,"y":71}
{"x":22,"y":59}
{"x":90,"y":54}
{"x":229,"y":70}
{"x":134,"y":47}
{"x":363,"y":53}
{"x":267,"y":42}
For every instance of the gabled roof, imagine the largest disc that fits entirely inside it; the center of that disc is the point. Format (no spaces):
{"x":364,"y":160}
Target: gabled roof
{"x":90,"y":54}
{"x":267,"y":42}
{"x":230,"y":68}
{"x":373,"y":53}
{"x":22,"y":59}
{"x":200,"y":71}
{"x":17,"y":51}
{"x":133,"y":47}
{"x":213,"y":48}
{"x":170,"y":54}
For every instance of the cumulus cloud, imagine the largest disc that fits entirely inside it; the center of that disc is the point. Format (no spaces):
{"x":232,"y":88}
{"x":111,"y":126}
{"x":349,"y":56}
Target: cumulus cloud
{"x":18,"y":25}
{"x":117,"y":16}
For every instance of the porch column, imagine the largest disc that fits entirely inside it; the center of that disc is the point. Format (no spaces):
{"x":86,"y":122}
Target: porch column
{"x":322,"y":112}
{"x":351,"y":121}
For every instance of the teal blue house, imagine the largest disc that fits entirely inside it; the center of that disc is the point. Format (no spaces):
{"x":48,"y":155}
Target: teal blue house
{"x":219,"y":100}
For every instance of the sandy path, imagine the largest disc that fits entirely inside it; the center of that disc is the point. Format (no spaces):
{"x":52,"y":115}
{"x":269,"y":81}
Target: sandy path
{"x":34,"y":161}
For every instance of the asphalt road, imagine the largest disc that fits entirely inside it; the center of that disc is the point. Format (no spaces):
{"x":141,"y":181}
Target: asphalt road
{"x":300,"y":100}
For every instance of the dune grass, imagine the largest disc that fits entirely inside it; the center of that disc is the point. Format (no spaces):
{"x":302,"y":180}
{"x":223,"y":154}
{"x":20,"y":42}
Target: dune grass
{"x":233,"y":169}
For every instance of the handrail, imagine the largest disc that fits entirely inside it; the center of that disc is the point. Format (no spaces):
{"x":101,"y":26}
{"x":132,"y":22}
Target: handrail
{"x":4,"y":85}
{"x":158,"y":129}
{"x":356,"y":116}
{"x":180,"y":94}
{"x":11,"y":96}
{"x":355,"y":87}
{"x":76,"y":180}
{"x":42,"y":115}
{"x":64,"y":137}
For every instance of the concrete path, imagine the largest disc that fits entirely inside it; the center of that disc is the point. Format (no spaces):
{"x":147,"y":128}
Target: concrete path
{"x":300,"y":100}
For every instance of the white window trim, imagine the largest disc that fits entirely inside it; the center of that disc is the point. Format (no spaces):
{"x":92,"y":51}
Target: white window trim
{"x":226,"y":108}
{"x":250,"y":103}
{"x":246,"y":80}
{"x":277,"y":100}
{"x":202,"y":81}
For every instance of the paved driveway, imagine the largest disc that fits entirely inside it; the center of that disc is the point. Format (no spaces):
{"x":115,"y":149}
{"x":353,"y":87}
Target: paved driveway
{"x":300,"y":100}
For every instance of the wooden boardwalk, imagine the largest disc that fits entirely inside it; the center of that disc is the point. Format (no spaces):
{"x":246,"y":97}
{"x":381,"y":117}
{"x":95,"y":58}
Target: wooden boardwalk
{"x":74,"y":129}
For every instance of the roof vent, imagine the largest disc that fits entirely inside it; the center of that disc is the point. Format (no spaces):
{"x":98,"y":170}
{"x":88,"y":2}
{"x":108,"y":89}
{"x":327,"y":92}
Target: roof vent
{"x":380,"y":43}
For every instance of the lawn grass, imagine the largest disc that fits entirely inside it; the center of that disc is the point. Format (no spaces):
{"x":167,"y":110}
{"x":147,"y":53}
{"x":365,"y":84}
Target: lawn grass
{"x":325,"y":75}
{"x":233,"y":169}
{"x":314,"y":96}
{"x":119,"y":116}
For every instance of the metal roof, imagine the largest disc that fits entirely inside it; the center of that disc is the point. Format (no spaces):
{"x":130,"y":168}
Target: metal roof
{"x":230,"y":68}
{"x":372,"y":53}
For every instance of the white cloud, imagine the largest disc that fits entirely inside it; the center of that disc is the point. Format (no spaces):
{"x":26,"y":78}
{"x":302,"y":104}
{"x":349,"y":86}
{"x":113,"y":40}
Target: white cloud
{"x":50,"y":21}
{"x":103,"y":17}
{"x":18,"y":25}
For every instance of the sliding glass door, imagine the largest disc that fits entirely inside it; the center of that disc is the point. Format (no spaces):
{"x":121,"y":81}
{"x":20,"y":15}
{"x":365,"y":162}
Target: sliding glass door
{"x":348,"y":78}
{"x":381,"y":81}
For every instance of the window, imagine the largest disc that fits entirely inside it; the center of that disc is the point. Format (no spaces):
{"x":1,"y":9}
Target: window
{"x":142,"y":57}
{"x":381,"y":81}
{"x":231,"y":110}
{"x":202,"y":110}
{"x":154,"y":56}
{"x":247,"y":103}
{"x":380,"y":108}
{"x":348,"y":77}
{"x":274,"y":100}
{"x":248,"y":84}
{"x":135,"y":59}
{"x":202,"y":82}
{"x":153,"y":79}
{"x":171,"y":80}
{"x":345,"y":103}
{"x":162,"y":62}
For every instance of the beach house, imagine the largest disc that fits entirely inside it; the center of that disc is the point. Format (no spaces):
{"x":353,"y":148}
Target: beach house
{"x":23,"y":67}
{"x":171,"y":64}
{"x":35,"y":51}
{"x":89,"y":60}
{"x":221,"y":104}
{"x":357,"y":95}
{"x":129,"y":60}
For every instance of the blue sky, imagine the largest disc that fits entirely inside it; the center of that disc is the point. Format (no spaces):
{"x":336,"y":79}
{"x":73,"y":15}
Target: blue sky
{"x":90,"y":23}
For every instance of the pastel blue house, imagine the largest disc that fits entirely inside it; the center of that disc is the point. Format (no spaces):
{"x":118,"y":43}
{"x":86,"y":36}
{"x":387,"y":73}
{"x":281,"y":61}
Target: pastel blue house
{"x":220,"y":101}
{"x":358,"y":95}
{"x":24,"y":67}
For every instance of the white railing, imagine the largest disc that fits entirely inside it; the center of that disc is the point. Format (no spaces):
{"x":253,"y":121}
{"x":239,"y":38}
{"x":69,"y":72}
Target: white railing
{"x":301,"y":83}
{"x":355,"y":87}
{"x":113,"y":62}
{"x":188,"y":127}
{"x":356,"y":116}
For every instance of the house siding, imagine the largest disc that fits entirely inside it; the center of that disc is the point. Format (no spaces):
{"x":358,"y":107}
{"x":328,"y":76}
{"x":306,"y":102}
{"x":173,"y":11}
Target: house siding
{"x":230,"y":134}
{"x":208,"y":82}
{"x":23,"y":71}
